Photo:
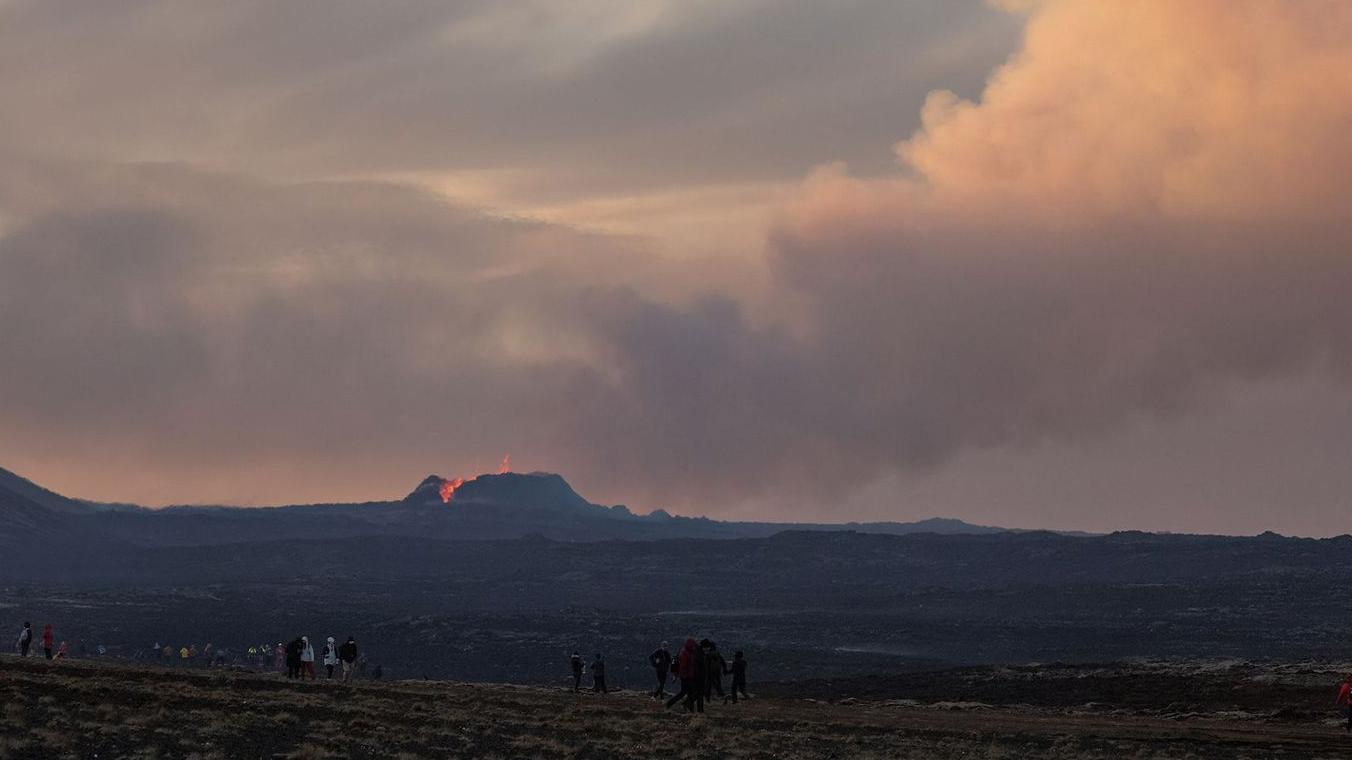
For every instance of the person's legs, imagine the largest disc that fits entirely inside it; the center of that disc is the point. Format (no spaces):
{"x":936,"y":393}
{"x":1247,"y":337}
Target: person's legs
{"x":680,"y":694}
{"x":48,"y":652}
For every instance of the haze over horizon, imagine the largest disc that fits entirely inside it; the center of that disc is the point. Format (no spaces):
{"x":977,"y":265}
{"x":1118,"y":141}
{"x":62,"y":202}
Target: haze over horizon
{"x":1029,"y":263}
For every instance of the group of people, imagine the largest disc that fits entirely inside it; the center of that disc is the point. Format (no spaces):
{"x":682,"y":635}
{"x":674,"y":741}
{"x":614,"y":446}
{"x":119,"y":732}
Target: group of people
{"x":299,"y":657}
{"x":697,"y":667}
{"x":52,"y":652}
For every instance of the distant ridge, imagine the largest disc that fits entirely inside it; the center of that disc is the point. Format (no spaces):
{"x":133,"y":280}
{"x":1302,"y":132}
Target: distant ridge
{"x":486,"y":507}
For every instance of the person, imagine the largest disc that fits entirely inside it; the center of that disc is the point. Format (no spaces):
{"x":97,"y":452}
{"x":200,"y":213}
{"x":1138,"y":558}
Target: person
{"x":279,"y":656}
{"x":738,"y":671}
{"x":1345,"y":699}
{"x":47,"y":637}
{"x":714,"y":665}
{"x":63,"y":652}
{"x":347,"y":653}
{"x":330,"y":658}
{"x":377,"y":672}
{"x":307,"y":659}
{"x":685,"y":670}
{"x":293,"y":651}
{"x":576,"y":662}
{"x":661,"y":662}
{"x":599,"y":674}
{"x":25,"y":639}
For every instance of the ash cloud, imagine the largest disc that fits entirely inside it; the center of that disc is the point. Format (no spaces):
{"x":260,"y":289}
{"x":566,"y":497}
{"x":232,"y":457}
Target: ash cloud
{"x":1143,"y":211}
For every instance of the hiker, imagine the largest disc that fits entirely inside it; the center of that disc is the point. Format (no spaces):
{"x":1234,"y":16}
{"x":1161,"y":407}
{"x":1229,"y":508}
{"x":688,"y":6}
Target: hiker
{"x":63,"y":652}
{"x":714,"y":665}
{"x":599,"y":674}
{"x":347,"y":653}
{"x":25,"y":639}
{"x":279,"y":656}
{"x":377,"y":672}
{"x":738,"y":671}
{"x":47,"y":640}
{"x":576,"y":662}
{"x":293,"y":651}
{"x":686,"y":672}
{"x":307,"y":659}
{"x":330,"y":658}
{"x":1345,"y":699}
{"x":661,"y":662}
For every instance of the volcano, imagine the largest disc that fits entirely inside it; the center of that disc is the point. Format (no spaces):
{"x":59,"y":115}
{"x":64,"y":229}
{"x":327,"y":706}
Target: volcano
{"x":536,"y":490}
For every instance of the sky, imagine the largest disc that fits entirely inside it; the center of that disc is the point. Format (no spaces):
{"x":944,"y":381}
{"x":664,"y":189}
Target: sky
{"x":1033,"y":263}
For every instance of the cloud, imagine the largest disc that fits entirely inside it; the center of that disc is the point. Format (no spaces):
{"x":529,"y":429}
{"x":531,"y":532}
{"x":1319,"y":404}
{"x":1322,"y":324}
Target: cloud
{"x":1141,"y":218}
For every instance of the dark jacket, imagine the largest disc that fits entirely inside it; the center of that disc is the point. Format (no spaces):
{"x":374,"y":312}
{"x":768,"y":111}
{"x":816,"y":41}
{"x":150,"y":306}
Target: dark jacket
{"x":738,"y":671}
{"x":293,"y":650}
{"x":348,"y":651}
{"x":577,"y":664}
{"x":660,"y":659}
{"x":685,"y":661}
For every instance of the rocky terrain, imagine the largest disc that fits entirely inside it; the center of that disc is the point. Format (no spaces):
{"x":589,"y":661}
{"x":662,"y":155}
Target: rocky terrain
{"x":1145,"y":710}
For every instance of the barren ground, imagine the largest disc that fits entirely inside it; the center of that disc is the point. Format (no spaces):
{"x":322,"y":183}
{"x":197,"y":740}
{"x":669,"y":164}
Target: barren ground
{"x":86,"y":710}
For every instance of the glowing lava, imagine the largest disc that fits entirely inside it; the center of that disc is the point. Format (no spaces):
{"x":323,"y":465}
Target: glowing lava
{"x":506,"y":465}
{"x":448,"y":489}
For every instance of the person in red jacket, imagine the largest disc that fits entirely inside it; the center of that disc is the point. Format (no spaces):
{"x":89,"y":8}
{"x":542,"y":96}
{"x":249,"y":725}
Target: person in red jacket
{"x":47,"y":640}
{"x":1345,"y":699}
{"x":685,"y":667}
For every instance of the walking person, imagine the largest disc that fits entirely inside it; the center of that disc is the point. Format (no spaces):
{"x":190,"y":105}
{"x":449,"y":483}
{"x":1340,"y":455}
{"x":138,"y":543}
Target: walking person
{"x":307,"y":659}
{"x":661,"y":662}
{"x":738,"y":671}
{"x":25,"y":639}
{"x":47,"y":638}
{"x":347,"y":653}
{"x":279,"y":656}
{"x":330,"y":658}
{"x":576,"y":662}
{"x":685,"y":671}
{"x":714,"y":665}
{"x":599,"y":674}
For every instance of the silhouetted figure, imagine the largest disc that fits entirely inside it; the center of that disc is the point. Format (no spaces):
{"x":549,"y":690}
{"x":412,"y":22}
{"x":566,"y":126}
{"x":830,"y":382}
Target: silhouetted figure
{"x":25,"y":639}
{"x":661,"y":662}
{"x":377,"y":672}
{"x":738,"y":671}
{"x":47,"y":637}
{"x":576,"y":662}
{"x":687,"y":669}
{"x":347,"y":653}
{"x":293,"y":651}
{"x":1345,"y":699}
{"x":599,"y":674}
{"x":714,"y":665}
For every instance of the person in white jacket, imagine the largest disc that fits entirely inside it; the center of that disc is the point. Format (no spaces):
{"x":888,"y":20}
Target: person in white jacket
{"x":307,"y":659}
{"x":330,"y":657}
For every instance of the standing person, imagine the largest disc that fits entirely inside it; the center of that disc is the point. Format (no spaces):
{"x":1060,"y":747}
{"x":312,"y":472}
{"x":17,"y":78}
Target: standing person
{"x":293,"y":651}
{"x":714,"y":665}
{"x":63,"y":652}
{"x":576,"y":662}
{"x":47,"y":637}
{"x":307,"y":659}
{"x":1345,"y":699}
{"x":279,"y":656}
{"x":348,"y":654}
{"x":685,"y":670}
{"x":599,"y":674}
{"x":661,"y":662}
{"x":330,"y":658}
{"x":738,"y":671}
{"x":25,"y":639}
